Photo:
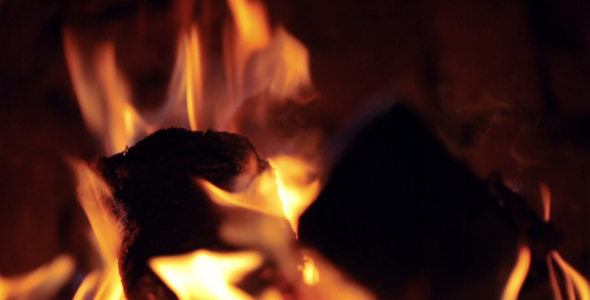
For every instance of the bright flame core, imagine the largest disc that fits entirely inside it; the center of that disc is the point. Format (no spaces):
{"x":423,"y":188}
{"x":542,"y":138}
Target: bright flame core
{"x":204,"y":274}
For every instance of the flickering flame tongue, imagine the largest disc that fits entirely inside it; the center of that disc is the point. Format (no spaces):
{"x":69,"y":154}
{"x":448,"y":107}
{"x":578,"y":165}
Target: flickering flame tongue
{"x":295,"y":191}
{"x":518,"y":275}
{"x":103,"y":95}
{"x":577,"y":287}
{"x":576,"y":284}
{"x":42,"y":283}
{"x":94,"y":195}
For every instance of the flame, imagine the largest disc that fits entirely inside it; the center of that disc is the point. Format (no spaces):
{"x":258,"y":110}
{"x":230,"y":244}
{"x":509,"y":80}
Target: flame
{"x":251,"y":22}
{"x":87,"y":286}
{"x":578,"y":282}
{"x":261,"y":195}
{"x":103,"y":95}
{"x":518,"y":275}
{"x":93,"y":195}
{"x":256,"y":59}
{"x":251,"y":33}
{"x":332,"y":284}
{"x":311,"y":274}
{"x":205,"y":274}
{"x":192,"y":79}
{"x":553,"y":279}
{"x":254,"y":218}
{"x":574,"y":281}
{"x":42,"y":283}
{"x":282,"y":69}
{"x":295,"y":192}
{"x":546,"y":198}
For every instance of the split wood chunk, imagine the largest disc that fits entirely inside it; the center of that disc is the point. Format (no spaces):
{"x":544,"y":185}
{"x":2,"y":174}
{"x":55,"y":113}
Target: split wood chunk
{"x":163,"y":211}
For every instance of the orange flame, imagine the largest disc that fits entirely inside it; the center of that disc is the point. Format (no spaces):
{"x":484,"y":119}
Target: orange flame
{"x":192,"y":77}
{"x":518,"y":275}
{"x":261,"y":195}
{"x":325,"y":281}
{"x":42,"y":283}
{"x":295,"y":192}
{"x":311,"y":274}
{"x":553,"y":279}
{"x":93,"y":194}
{"x":546,"y":198}
{"x":577,"y":281}
{"x":254,"y":219}
{"x":282,"y":69}
{"x":256,"y":60}
{"x":204,"y":274}
{"x":574,"y":281}
{"x":103,"y":95}
{"x":251,"y":33}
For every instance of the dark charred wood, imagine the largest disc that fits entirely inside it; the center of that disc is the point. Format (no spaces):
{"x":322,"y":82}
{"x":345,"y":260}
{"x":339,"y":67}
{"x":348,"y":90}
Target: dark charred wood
{"x":162,"y":210}
{"x":406,"y":220}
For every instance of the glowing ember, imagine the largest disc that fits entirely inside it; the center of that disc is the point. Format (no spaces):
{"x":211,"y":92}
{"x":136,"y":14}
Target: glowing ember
{"x":42,"y":283}
{"x":518,"y":275}
{"x":205,"y":274}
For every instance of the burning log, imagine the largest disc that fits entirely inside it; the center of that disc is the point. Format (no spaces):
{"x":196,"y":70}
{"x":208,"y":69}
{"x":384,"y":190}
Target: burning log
{"x":162,"y":210}
{"x":408,"y":221}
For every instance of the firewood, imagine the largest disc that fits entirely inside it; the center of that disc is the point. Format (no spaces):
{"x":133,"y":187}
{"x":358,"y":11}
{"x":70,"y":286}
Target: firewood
{"x":408,"y":221}
{"x":163,"y":211}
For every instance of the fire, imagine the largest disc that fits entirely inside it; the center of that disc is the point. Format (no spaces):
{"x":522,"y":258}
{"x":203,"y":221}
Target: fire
{"x":205,"y":274}
{"x":575,"y":282}
{"x":42,"y":283}
{"x":103,"y":95}
{"x":296,"y":193}
{"x":311,"y":274}
{"x":322,"y":280}
{"x":192,"y":79}
{"x":282,"y":69}
{"x":574,"y":279}
{"x":518,"y":275}
{"x":250,"y":33}
{"x":546,"y":198}
{"x":93,"y":195}
{"x":261,"y":195}
{"x":288,"y":185}
{"x":256,"y":59}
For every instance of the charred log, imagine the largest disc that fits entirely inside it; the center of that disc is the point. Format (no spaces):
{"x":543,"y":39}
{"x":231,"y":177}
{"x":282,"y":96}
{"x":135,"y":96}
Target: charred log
{"x":162,"y":210}
{"x":408,"y":221}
